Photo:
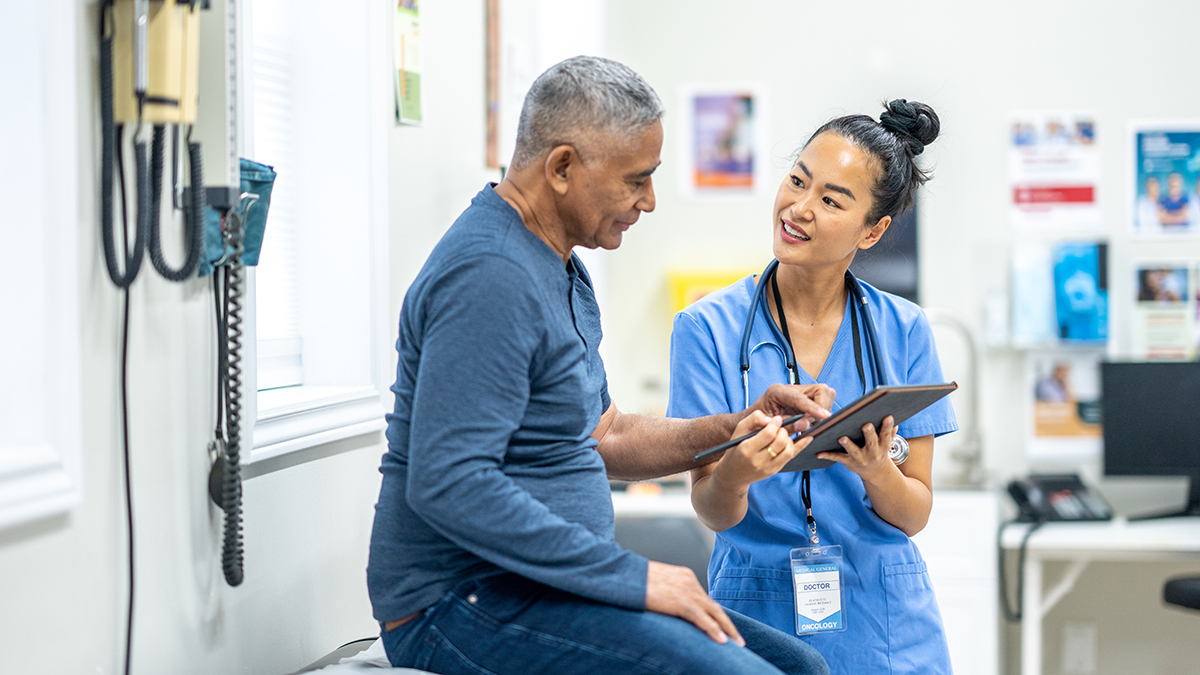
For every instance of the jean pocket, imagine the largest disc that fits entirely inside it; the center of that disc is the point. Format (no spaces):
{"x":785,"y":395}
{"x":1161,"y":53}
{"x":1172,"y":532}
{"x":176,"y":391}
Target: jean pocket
{"x":501,"y":598}
{"x":916,"y":636}
{"x":439,"y":655}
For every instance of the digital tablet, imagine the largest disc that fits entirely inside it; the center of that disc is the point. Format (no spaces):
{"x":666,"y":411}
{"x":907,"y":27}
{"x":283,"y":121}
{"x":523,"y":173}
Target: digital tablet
{"x":901,"y":402}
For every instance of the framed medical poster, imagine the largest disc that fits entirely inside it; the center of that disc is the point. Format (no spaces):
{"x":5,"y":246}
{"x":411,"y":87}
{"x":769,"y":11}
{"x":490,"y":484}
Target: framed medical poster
{"x":722,"y":141}
{"x":407,"y":56}
{"x":1054,"y":170}
{"x":1165,"y":181}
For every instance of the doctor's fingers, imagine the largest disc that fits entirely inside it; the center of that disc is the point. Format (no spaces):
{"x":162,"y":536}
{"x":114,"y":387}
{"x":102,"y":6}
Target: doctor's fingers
{"x":757,"y":419}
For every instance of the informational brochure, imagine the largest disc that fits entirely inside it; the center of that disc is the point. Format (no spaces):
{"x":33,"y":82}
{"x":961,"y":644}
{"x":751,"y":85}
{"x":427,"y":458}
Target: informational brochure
{"x":1167,"y":311}
{"x":1166,"y":178}
{"x":1054,"y":170}
{"x":722,"y":145}
{"x":1060,"y":293}
{"x":1064,"y":391}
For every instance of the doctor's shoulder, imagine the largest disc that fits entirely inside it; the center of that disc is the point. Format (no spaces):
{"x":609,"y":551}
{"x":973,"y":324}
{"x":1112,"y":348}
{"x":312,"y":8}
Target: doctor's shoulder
{"x":895,"y":310}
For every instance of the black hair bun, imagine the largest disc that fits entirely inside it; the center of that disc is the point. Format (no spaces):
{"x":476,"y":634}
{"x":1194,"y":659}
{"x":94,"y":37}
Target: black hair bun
{"x":916,"y":124}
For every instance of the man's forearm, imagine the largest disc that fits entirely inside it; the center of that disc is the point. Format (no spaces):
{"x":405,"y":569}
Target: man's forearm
{"x":640,"y":447}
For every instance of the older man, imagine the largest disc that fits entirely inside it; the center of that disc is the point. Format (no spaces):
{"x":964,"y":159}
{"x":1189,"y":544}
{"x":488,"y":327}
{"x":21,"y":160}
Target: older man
{"x":493,"y":550}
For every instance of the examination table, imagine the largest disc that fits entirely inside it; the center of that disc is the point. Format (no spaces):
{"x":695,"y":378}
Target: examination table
{"x":360,"y":656}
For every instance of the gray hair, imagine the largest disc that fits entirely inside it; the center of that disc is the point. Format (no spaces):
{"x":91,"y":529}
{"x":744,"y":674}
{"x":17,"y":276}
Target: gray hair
{"x":578,"y":96}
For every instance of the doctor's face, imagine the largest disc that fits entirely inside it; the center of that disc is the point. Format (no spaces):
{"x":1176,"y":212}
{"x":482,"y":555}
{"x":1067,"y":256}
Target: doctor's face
{"x":822,"y":205}
{"x":611,"y":188}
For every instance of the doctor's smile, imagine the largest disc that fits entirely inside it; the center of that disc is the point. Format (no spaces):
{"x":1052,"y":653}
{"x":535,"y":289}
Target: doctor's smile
{"x":794,"y":233}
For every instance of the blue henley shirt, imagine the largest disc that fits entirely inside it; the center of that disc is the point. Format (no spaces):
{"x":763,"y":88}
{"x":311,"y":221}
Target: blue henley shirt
{"x":490,"y":463}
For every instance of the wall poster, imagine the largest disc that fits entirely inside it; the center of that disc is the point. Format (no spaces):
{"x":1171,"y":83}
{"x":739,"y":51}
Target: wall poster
{"x":722,"y":144}
{"x":406,"y":50}
{"x":1054,"y":170}
{"x":1064,"y":390}
{"x":1167,"y":311}
{"x":1166,"y":180}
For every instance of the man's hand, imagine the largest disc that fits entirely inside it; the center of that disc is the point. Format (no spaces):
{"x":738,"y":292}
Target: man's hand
{"x":675,"y":591}
{"x":783,"y":400}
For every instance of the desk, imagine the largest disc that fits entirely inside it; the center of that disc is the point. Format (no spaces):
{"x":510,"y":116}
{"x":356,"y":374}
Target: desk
{"x":1079,"y":544}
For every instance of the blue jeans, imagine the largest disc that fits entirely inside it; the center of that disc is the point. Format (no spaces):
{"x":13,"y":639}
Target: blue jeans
{"x":505,"y":624}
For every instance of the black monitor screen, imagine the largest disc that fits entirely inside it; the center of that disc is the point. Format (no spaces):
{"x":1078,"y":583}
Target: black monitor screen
{"x":891,"y":265}
{"x":1150,"y":410}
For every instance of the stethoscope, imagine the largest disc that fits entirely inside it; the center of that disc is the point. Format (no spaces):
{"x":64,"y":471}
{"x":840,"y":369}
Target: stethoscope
{"x":785,"y":349}
{"x":899,"y":449}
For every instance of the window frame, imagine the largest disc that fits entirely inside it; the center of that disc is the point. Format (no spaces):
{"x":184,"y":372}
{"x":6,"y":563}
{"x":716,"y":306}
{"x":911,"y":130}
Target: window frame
{"x":290,"y":420}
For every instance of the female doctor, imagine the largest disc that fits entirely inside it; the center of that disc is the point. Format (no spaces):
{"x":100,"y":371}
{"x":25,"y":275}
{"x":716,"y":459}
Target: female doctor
{"x":807,"y":320}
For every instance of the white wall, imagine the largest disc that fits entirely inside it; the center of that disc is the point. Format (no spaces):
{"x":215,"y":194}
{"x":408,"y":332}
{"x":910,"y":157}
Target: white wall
{"x":974,"y":63}
{"x":62,"y":579}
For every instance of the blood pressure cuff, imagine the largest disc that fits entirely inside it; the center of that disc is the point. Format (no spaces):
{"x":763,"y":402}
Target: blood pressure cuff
{"x":257,"y":179}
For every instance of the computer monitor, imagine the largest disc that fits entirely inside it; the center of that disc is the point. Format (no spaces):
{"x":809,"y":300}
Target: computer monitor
{"x":1150,"y":410}
{"x":891,"y":265}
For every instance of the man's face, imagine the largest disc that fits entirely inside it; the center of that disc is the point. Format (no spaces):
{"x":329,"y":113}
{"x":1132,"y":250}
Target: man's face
{"x":609,"y":191}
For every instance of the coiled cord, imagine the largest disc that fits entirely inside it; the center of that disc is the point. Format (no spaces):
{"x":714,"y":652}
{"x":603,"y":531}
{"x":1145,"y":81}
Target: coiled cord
{"x":108,"y":157}
{"x":231,"y":495}
{"x":193,"y":211}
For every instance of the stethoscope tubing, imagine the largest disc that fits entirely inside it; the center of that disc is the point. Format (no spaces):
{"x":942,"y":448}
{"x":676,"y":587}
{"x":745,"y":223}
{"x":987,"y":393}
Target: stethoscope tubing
{"x":759,"y":300}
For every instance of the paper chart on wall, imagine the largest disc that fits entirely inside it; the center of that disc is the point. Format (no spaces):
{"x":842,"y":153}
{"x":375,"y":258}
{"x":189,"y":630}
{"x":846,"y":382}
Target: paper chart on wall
{"x":1054,"y":170}
{"x":1166,"y":178}
{"x":407,"y":55}
{"x":1167,"y":310}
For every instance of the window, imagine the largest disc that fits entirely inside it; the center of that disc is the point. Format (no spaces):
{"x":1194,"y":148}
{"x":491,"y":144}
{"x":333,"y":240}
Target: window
{"x":317,"y":92}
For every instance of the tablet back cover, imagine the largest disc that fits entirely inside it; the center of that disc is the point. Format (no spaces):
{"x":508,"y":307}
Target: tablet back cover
{"x":901,"y":402}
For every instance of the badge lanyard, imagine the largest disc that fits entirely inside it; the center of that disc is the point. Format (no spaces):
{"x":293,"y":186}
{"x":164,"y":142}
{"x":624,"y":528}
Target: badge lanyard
{"x":816,"y":570}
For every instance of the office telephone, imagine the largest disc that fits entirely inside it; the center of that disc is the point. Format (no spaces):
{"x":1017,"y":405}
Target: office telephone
{"x":1057,"y":497}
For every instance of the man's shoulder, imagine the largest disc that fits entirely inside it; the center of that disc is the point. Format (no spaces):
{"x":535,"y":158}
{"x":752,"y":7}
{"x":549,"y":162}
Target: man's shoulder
{"x":488,"y":238}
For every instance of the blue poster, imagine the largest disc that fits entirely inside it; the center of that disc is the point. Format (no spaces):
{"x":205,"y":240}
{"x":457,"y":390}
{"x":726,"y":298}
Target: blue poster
{"x":1081,"y":291}
{"x":1168,"y":182}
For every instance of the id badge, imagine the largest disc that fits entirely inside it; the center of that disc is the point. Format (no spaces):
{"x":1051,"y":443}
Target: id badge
{"x":817,"y":582}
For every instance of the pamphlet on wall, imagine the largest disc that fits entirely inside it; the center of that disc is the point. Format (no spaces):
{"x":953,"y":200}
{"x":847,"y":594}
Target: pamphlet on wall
{"x":1064,"y":395}
{"x":1081,"y":292}
{"x":1054,"y":170}
{"x":1167,"y":311}
{"x":1060,"y":293}
{"x":1166,"y":178}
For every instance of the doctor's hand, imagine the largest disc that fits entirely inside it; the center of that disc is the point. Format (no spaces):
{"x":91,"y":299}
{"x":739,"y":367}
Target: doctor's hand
{"x":758,"y":457}
{"x":872,"y":457}
{"x":675,"y":591}
{"x":785,"y":400}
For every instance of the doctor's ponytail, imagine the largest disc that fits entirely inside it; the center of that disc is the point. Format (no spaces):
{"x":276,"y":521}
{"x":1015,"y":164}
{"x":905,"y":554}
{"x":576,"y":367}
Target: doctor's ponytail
{"x":902,"y":132}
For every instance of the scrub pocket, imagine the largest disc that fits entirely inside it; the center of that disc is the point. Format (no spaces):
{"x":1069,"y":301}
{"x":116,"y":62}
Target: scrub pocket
{"x":916,"y":637}
{"x":762,"y":593}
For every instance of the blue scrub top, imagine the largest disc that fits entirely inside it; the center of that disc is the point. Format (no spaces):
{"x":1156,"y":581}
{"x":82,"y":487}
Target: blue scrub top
{"x":892,"y":620}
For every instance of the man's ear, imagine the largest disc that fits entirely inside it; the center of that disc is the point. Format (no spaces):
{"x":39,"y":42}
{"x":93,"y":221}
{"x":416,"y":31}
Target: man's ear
{"x":560,"y":162}
{"x":875,"y":233}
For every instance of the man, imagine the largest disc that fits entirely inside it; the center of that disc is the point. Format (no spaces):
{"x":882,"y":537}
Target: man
{"x":492,"y":548}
